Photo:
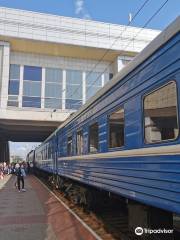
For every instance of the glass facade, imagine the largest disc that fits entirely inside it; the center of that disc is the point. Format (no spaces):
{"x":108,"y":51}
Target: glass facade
{"x":53,"y":88}
{"x":93,"y":83}
{"x":32,"y":78}
{"x":13,"y":100}
{"x":32,"y":73}
{"x":31,"y":102}
{"x":14,"y":79}
{"x":107,"y":77}
{"x":76,"y":91}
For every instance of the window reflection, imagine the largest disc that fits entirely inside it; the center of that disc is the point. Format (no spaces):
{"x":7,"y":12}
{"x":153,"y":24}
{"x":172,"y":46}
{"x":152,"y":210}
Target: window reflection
{"x":32,"y":86}
{"x":53,"y":88}
{"x":14,"y":79}
{"x":73,"y":89}
{"x":79,"y":142}
{"x":116,"y":129}
{"x":93,"y":83}
{"x":160,"y":110}
{"x":69,"y":146}
{"x":93,"y":138}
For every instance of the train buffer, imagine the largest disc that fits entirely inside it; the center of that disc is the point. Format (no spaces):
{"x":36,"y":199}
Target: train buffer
{"x":37,"y":214}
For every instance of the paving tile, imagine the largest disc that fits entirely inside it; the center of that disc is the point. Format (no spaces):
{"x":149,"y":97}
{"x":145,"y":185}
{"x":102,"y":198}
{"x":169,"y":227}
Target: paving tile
{"x":36,"y":214}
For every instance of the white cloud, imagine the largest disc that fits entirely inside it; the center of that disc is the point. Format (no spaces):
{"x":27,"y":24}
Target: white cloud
{"x":79,"y":5}
{"x":81,"y":10}
{"x":21,"y":149}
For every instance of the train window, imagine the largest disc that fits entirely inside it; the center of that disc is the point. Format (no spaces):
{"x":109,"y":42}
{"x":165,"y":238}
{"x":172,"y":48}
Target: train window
{"x":79,"y":142}
{"x":69,"y":146}
{"x":116,"y":129}
{"x":160,"y":112}
{"x":93,"y":138}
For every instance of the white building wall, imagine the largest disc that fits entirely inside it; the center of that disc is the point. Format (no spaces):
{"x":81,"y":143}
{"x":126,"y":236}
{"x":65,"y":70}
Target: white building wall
{"x":5,"y":74}
{"x":1,"y":66}
{"x":81,"y":32}
{"x":57,"y":62}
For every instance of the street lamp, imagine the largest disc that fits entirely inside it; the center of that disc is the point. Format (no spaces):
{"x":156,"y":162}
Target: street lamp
{"x":53,"y":111}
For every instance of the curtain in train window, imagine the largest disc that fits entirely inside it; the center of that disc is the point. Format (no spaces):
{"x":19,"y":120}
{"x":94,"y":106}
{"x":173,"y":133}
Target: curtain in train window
{"x":116,"y":129}
{"x":79,"y":142}
{"x":160,"y":112}
{"x":93,"y":138}
{"x":69,"y":146}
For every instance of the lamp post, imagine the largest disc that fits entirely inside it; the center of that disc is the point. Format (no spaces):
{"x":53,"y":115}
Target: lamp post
{"x":54,"y":110}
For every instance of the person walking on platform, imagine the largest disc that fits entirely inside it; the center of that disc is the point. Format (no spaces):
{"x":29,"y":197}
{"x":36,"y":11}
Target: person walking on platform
{"x":20,"y":172}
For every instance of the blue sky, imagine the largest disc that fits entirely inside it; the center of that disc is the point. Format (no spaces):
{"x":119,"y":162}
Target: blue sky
{"x":113,"y":11}
{"x":21,"y":148}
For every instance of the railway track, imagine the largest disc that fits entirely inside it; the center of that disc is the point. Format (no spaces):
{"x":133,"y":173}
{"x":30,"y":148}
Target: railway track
{"x":109,"y":220}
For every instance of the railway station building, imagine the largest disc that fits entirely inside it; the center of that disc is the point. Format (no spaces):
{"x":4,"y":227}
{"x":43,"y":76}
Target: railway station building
{"x":51,"y":65}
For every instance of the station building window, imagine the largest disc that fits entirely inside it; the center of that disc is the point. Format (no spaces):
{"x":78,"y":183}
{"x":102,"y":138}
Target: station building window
{"x":93,"y":138}
{"x":79,"y":142}
{"x":53,"y":88}
{"x":116,"y":129}
{"x":32,"y":86}
{"x":14,"y":79}
{"x":160,"y":113}
{"x":13,"y":100}
{"x":73,"y":89}
{"x":93,"y":83}
{"x":32,"y":73}
{"x":69,"y":146}
{"x":107,"y":77}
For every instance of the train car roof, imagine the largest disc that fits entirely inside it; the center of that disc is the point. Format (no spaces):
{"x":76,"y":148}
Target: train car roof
{"x":155,"y":44}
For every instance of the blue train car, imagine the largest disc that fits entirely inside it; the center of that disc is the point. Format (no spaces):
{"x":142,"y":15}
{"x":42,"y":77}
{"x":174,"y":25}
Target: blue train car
{"x":30,"y":156}
{"x":125,"y":139}
{"x":44,"y":157}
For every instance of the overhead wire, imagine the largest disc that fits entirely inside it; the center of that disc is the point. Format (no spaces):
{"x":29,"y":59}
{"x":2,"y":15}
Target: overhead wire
{"x":100,"y":60}
{"x":110,"y":48}
{"x":147,"y":22}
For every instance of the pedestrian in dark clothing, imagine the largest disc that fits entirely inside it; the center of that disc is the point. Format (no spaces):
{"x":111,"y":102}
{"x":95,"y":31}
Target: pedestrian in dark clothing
{"x":20,"y":177}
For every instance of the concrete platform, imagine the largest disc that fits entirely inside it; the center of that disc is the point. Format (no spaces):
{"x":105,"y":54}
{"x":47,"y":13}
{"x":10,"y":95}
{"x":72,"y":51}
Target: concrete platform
{"x":36,"y":214}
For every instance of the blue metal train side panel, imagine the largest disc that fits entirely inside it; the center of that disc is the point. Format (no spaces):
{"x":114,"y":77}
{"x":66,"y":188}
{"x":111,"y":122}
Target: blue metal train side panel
{"x":133,"y":123}
{"x":103,"y":134}
{"x":153,"y":180}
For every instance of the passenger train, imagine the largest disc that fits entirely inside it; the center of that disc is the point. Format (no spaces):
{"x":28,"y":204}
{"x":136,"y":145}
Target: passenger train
{"x":125,"y":140}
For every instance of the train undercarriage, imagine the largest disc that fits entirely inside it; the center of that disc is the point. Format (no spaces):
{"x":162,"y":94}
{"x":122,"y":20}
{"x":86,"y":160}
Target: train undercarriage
{"x":144,"y":222}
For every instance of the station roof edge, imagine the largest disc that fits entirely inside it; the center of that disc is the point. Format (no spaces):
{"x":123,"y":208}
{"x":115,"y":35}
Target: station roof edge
{"x":71,"y":18}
